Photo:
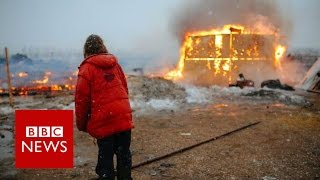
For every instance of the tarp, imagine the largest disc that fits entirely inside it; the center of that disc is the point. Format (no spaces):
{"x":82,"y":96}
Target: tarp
{"x":311,"y":82}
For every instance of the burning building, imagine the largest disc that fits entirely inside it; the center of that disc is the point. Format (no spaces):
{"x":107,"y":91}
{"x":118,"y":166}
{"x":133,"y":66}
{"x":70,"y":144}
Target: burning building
{"x":217,"y":56}
{"x":220,"y":39}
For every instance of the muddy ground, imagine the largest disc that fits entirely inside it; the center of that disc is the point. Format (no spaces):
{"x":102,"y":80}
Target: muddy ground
{"x":285,"y":145}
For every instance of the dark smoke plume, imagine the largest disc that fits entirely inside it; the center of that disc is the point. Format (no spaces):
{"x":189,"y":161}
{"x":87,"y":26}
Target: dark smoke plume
{"x":206,"y":14}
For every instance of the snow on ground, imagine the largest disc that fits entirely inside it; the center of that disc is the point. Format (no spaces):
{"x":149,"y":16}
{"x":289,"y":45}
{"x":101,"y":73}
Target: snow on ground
{"x":198,"y":95}
{"x":202,"y":95}
{"x":154,"y":104}
{"x":69,"y":107}
{"x":6,"y":110}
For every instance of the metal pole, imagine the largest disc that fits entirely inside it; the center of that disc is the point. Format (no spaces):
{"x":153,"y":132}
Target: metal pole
{"x":192,"y":146}
{"x":9,"y":78}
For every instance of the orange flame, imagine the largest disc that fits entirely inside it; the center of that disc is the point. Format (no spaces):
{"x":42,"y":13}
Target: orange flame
{"x":280,"y":50}
{"x":45,"y":78}
{"x":22,"y":74}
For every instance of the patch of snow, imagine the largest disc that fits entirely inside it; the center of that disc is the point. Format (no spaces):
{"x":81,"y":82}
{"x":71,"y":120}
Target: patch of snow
{"x":293,"y":99}
{"x":6,"y":110}
{"x":198,"y":95}
{"x":235,"y":91}
{"x":203,"y":95}
{"x":268,"y":178}
{"x":161,"y":104}
{"x":69,"y":107}
{"x":156,"y":104}
{"x":28,"y":104}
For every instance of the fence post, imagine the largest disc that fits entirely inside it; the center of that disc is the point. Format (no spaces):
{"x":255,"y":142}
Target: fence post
{"x":9,"y":78}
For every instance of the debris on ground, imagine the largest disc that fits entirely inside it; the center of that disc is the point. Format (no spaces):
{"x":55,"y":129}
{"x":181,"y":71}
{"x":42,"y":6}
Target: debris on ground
{"x":287,"y":98}
{"x":276,"y":84}
{"x":242,"y":82}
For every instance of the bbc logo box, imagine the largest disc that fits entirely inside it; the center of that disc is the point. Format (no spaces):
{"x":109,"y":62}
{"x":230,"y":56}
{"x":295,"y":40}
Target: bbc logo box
{"x":44,"y":138}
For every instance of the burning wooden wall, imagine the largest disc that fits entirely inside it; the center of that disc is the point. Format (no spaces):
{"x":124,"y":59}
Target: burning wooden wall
{"x":218,"y":56}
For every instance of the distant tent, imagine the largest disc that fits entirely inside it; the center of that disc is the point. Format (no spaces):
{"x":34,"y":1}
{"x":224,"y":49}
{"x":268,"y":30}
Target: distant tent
{"x":311,"y":82}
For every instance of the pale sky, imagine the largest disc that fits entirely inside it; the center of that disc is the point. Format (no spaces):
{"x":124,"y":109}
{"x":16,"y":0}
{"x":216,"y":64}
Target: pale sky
{"x":129,"y":26}
{"x":66,"y":24}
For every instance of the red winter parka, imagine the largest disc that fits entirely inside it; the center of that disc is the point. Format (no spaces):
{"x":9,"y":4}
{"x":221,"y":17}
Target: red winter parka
{"x":101,"y":99}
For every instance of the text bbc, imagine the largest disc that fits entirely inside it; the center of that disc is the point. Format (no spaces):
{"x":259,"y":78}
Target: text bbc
{"x":44,"y":131}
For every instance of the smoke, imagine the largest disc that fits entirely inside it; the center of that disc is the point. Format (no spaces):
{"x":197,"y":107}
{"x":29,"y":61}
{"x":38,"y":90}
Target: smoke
{"x":206,"y":14}
{"x":293,"y":71}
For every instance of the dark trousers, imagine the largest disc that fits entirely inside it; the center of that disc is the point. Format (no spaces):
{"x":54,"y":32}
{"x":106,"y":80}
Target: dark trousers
{"x":118,"y":144}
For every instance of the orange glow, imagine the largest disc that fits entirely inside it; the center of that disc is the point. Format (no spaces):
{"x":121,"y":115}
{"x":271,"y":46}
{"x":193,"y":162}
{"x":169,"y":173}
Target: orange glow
{"x":226,"y":67}
{"x":280,"y":50}
{"x":43,"y":84}
{"x":22,"y":74}
{"x":218,"y":41}
{"x":45,"y":79}
{"x":56,"y":88}
{"x":177,"y":73}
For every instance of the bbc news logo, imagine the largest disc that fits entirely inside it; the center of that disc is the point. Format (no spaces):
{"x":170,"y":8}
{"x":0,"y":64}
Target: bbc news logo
{"x":44,"y":138}
{"x":43,"y":146}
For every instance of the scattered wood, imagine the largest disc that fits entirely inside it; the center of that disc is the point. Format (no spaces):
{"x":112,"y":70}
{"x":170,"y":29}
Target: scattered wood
{"x":3,"y":117}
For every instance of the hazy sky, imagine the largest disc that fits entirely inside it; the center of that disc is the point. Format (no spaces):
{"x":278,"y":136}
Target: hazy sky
{"x":130,"y":26}
{"x":123,"y":24}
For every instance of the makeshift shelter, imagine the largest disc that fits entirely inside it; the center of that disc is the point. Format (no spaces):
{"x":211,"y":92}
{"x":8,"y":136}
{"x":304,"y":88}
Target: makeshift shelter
{"x":311,"y":82}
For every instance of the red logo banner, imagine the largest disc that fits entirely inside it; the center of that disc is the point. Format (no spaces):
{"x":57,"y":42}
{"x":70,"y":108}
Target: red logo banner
{"x":44,"y":138}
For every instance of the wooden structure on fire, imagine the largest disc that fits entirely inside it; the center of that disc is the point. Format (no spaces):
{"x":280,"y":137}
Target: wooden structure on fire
{"x":219,"y":58}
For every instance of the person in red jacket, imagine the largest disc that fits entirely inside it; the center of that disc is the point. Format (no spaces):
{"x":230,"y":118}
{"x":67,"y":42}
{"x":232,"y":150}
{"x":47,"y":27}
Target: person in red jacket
{"x":103,"y":109}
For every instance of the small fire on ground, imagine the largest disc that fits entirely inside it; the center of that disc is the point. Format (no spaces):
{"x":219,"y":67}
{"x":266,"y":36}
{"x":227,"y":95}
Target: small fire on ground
{"x":26,"y":85}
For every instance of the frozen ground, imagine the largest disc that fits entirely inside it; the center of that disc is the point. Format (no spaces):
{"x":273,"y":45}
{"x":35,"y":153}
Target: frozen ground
{"x":168,"y":116}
